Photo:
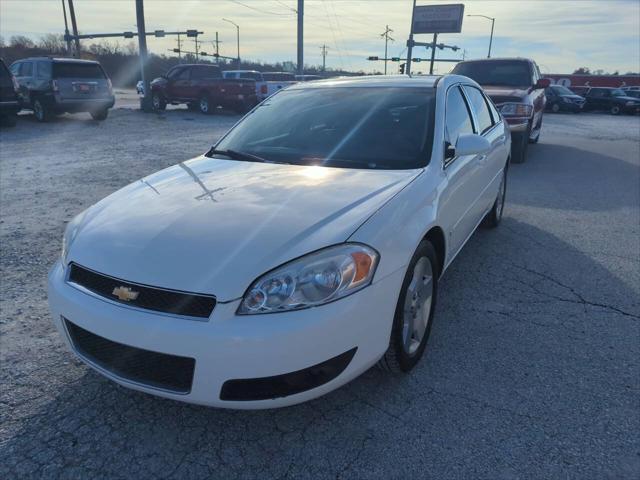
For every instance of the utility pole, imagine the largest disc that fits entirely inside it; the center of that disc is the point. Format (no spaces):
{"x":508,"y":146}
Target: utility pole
{"x":324,"y":49}
{"x":433,"y":53}
{"x":66,"y":29}
{"x":74,"y":25}
{"x":196,"y":41}
{"x":179,"y":50}
{"x":217,"y":45}
{"x":145,"y":102}
{"x":300,"y":12}
{"x":386,"y":37}
{"x":237,"y":38}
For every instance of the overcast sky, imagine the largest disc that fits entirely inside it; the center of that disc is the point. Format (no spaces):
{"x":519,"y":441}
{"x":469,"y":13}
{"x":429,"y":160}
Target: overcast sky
{"x":559,"y":35}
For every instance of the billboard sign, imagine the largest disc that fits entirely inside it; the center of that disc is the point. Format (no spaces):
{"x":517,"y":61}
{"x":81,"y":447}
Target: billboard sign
{"x":438,"y":18}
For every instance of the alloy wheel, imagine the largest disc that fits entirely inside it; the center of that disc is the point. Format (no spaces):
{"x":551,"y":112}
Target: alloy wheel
{"x":417,"y":306}
{"x":204,"y":105}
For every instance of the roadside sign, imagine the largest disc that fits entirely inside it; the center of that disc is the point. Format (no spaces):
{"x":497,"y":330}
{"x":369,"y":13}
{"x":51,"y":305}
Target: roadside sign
{"x":438,"y":18}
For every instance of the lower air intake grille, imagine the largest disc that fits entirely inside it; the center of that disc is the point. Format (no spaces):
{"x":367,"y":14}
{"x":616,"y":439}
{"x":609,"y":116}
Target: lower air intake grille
{"x":154,"y":369}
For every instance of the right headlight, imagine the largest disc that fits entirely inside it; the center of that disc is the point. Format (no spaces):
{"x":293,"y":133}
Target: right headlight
{"x":516,"y":110}
{"x":314,"y":279}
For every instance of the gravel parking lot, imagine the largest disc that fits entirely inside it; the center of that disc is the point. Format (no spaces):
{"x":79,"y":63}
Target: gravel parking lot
{"x":532,"y":370}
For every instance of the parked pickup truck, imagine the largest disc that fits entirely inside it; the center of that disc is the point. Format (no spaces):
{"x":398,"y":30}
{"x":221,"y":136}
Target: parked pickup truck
{"x":278,"y":80}
{"x":261,"y":86}
{"x":517,"y":88}
{"x":203,"y":88}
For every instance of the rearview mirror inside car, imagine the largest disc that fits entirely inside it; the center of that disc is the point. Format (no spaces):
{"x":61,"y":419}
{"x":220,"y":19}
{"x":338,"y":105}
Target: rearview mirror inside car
{"x":472,"y":144}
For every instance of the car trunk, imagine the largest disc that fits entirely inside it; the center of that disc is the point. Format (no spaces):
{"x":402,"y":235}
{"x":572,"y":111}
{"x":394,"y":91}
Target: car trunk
{"x":80,"y":81}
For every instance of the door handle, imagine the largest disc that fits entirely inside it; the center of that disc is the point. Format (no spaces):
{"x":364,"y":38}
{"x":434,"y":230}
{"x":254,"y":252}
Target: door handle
{"x":482,"y":158}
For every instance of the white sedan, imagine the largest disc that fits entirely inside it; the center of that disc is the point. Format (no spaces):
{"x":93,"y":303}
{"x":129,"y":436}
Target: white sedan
{"x":305,"y":247}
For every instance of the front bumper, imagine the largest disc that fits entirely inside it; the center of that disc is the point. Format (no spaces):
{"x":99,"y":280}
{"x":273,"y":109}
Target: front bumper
{"x":517,"y":124}
{"x":229,"y":347}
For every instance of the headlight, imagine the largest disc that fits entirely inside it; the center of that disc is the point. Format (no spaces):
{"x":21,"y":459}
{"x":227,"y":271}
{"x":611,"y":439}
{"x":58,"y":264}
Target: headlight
{"x":566,"y":100}
{"x":315,"y":279}
{"x":631,"y":103}
{"x":70,"y":234}
{"x":516,"y":110}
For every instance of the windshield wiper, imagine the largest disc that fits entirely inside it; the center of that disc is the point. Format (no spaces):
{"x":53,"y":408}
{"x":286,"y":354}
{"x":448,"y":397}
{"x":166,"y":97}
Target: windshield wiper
{"x":235,"y":155}
{"x":247,"y":157}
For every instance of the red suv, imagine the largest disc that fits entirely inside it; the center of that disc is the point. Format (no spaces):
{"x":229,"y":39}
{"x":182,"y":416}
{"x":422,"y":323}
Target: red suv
{"x":517,"y":88}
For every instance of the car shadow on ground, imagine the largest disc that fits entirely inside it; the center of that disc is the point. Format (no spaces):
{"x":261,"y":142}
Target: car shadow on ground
{"x":525,"y":375}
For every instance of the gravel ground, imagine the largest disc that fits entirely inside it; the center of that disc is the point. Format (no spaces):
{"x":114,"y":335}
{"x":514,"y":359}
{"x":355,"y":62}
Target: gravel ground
{"x":532,"y":370}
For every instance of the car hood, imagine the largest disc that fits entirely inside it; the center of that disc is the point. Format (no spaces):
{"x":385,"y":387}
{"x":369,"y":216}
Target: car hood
{"x":572,"y":97}
{"x":502,"y":94}
{"x":212,"y":226}
{"x":627,"y":99}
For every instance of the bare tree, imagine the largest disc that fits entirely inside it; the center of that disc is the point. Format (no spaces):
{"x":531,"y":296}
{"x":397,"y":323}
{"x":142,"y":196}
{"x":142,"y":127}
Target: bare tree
{"x":20,"y":41}
{"x":53,"y":43}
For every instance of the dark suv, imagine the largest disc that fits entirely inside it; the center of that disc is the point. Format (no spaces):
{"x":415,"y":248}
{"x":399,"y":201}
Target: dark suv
{"x":517,"y":88}
{"x":51,"y":86}
{"x":9,"y":104}
{"x":612,"y":100}
{"x":561,"y":99}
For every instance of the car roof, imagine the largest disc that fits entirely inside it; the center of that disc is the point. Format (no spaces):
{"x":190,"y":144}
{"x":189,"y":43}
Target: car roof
{"x":429,"y":81}
{"x":498,"y":59}
{"x":242,"y":71}
{"x":58,"y":60}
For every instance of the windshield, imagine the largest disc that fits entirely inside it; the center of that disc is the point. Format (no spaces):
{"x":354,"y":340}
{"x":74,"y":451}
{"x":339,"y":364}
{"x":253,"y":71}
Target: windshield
{"x":560,"y":90}
{"x":352,"y":127}
{"x":77,"y":70}
{"x":496,"y":72}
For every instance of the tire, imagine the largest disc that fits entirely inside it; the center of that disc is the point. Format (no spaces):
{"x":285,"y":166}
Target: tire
{"x":204,"y":105}
{"x":519,"y":147}
{"x":493,"y":218}
{"x":406,"y":346}
{"x":41,"y":111}
{"x":615,"y":110}
{"x":100,"y":114}
{"x":158,"y":102}
{"x":555,"y":108}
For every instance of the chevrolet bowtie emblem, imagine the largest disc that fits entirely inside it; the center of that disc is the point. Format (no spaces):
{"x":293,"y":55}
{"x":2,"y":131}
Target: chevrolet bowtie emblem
{"x":125,"y":293}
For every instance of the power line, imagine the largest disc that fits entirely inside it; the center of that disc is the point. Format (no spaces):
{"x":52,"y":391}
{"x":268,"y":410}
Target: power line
{"x":261,"y":10}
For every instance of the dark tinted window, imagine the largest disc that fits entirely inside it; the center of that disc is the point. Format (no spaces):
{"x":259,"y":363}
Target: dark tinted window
{"x":560,"y":90}
{"x":43,"y":69}
{"x":15,"y":69}
{"x":257,"y":76}
{"x":599,"y":92}
{"x":480,"y":108}
{"x":4,"y":71}
{"x":352,"y":127}
{"x":205,"y":72}
{"x":457,"y":120}
{"x":279,"y":77}
{"x":26,"y":69}
{"x":511,"y":73}
{"x":77,"y":70}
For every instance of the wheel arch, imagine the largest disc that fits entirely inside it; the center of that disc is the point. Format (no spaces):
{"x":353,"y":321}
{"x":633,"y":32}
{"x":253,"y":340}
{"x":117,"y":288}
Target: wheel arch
{"x":437,"y":238}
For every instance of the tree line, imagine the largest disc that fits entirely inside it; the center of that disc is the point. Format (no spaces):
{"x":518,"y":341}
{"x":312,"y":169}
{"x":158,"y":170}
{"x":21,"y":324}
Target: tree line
{"x":121,"y":62}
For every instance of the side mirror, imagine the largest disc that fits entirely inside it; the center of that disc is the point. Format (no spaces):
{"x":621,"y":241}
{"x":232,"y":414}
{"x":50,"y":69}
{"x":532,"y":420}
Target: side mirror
{"x":542,"y":83}
{"x":471,"y":144}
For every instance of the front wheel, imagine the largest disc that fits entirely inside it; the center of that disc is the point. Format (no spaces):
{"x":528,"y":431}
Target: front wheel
{"x":615,"y":110}
{"x":414,"y":311}
{"x":493,"y":218}
{"x":158,"y":102}
{"x":100,"y":114}
{"x":204,"y":104}
{"x":555,"y":108}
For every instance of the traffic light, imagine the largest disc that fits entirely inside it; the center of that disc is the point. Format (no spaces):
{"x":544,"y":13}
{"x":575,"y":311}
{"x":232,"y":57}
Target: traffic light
{"x":373,"y":58}
{"x":159,"y":33}
{"x":395,"y":59}
{"x":176,"y":50}
{"x":128,"y":35}
{"x":402,"y":65}
{"x":192,"y":33}
{"x":416,"y":59}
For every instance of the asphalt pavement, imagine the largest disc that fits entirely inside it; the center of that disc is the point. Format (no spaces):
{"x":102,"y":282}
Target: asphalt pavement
{"x":532,"y":370}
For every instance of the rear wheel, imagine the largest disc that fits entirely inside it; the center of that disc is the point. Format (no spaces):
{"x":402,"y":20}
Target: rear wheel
{"x":414,"y":311}
{"x":493,"y":218}
{"x":555,"y":108}
{"x":519,"y":146}
{"x":100,"y":114}
{"x":204,"y":105}
{"x":41,"y":111}
{"x":615,"y":110}
{"x":158,"y":101}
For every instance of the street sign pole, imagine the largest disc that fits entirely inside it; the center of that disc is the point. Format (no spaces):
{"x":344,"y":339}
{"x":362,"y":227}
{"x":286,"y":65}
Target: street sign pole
{"x":145,"y":101}
{"x":410,"y":42}
{"x":433,"y":53}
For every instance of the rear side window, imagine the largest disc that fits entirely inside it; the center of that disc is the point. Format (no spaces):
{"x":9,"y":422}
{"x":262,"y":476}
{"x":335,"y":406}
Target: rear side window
{"x":43,"y":69}
{"x":205,"y":72}
{"x":77,"y":70}
{"x":480,"y":108}
{"x":26,"y":69}
{"x":458,"y":121}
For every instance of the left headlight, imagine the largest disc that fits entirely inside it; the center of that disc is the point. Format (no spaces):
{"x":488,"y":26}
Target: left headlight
{"x":70,"y":234}
{"x":314,"y":279}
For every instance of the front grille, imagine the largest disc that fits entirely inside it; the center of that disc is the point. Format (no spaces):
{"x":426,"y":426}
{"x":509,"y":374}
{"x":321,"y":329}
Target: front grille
{"x":159,"y":370}
{"x":150,"y":298}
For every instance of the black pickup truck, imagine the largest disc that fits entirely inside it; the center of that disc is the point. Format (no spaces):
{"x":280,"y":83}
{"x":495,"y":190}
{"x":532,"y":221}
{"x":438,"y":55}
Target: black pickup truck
{"x":202,"y":87}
